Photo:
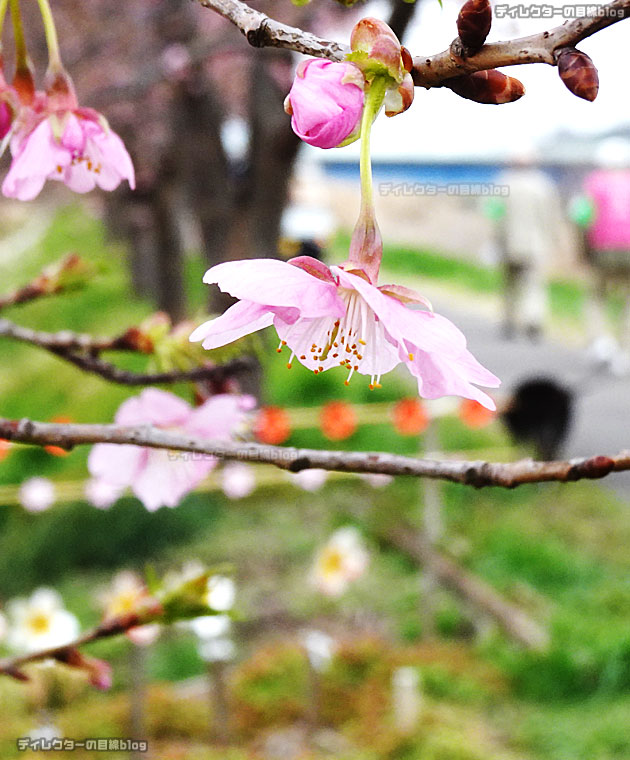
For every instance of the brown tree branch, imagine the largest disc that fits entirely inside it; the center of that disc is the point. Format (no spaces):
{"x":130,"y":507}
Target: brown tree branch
{"x":67,"y":273}
{"x":428,"y":71}
{"x":263,"y":31}
{"x":432,"y":71}
{"x":472,"y":473}
{"x":115,"y":374}
{"x":81,"y":350}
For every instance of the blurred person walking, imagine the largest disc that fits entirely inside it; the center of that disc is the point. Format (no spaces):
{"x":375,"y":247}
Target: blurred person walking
{"x":527,"y":220}
{"x":602,"y":213}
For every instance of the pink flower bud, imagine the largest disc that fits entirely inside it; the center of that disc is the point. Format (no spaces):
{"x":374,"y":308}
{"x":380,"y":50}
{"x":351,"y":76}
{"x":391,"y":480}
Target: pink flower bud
{"x":326,"y":103}
{"x":374,"y":45}
{"x":6,"y":118}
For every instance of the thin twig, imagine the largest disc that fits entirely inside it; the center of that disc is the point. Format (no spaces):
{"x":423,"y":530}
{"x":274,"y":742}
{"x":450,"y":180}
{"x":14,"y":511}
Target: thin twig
{"x":80,"y":350}
{"x":66,"y":274}
{"x":11,"y":666}
{"x":472,"y":473}
{"x":433,"y":70}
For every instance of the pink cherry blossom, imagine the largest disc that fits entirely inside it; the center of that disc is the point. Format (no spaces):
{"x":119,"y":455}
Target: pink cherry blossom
{"x":156,"y":476}
{"x":326,"y":102}
{"x":76,"y":147}
{"x":330,"y":317}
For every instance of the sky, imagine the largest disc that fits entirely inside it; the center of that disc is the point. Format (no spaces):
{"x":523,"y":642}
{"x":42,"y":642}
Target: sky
{"x":440,"y":124}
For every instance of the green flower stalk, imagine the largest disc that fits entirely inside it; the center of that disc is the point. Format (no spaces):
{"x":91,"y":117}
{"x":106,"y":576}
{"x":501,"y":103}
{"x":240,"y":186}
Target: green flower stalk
{"x":366,"y":246}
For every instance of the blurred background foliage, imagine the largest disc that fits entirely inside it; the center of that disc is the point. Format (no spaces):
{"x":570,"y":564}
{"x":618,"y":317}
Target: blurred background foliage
{"x":558,"y":552}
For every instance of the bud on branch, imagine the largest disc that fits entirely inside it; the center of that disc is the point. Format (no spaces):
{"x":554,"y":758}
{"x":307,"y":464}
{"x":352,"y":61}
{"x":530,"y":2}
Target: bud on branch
{"x":578,"y":72}
{"x":490,"y":87}
{"x":473,"y":24}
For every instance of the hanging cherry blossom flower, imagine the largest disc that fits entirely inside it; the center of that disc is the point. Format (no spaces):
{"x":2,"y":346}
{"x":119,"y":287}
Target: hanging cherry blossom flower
{"x":333,"y":317}
{"x":54,"y":138}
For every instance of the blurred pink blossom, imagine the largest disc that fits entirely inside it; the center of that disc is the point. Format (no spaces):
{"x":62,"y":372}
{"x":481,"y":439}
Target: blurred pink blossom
{"x":237,"y":480}
{"x":75,"y":146}
{"x":156,"y":476}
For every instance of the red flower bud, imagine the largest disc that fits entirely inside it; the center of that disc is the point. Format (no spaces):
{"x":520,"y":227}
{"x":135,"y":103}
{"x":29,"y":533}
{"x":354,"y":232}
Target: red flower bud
{"x":579,"y":73}
{"x":489,"y":86}
{"x":473,"y":24}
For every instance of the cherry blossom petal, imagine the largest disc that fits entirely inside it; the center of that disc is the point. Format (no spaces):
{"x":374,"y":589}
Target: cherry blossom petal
{"x":277,"y":284}
{"x":443,"y":375}
{"x":219,"y":417}
{"x":155,"y":407}
{"x":118,"y":465}
{"x":240,"y":319}
{"x":168,"y":476}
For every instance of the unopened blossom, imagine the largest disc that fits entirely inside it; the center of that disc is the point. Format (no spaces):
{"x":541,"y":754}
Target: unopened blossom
{"x":377,"y":52}
{"x":40,"y":622}
{"x":326,"y":102}
{"x":37,"y":494}
{"x":9,"y":105}
{"x":237,"y":480}
{"x":54,"y":138}
{"x":156,"y":476}
{"x":342,"y":560}
{"x":337,"y":317}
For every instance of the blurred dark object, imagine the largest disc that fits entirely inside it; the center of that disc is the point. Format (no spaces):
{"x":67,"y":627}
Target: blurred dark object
{"x":539,"y":414}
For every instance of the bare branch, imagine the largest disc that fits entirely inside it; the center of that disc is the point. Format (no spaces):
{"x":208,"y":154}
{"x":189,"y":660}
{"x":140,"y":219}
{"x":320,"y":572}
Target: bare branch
{"x":81,"y":350}
{"x":432,"y":71}
{"x":262,"y":31}
{"x":65,"y":274}
{"x":472,"y":473}
{"x":107,"y":371}
{"x":428,"y":71}
{"x":65,"y":340}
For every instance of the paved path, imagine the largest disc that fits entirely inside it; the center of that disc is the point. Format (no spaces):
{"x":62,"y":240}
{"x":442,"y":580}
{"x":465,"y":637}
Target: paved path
{"x":602,"y":409}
